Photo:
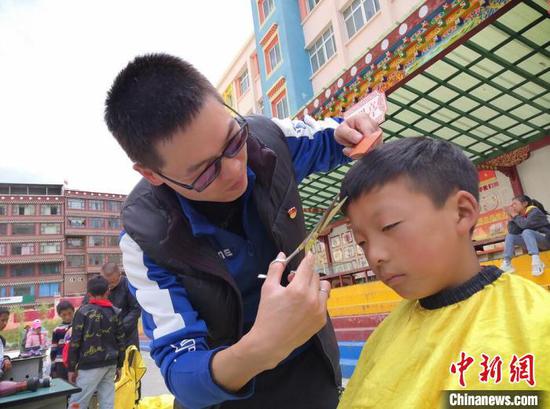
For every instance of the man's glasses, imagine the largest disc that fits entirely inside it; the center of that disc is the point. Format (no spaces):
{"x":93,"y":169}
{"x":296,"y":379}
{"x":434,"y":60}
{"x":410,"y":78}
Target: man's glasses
{"x":213,"y":170}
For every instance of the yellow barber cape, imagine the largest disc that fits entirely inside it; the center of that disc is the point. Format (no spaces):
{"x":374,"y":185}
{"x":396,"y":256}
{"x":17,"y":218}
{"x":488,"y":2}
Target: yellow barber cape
{"x":408,"y":360}
{"x":126,"y":389}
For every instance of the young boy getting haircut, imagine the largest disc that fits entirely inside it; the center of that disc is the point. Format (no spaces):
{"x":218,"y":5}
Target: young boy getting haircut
{"x":413,"y":204}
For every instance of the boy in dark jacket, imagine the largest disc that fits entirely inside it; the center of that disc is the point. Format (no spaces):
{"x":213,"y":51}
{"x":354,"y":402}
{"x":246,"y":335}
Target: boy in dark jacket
{"x":96,"y":351}
{"x":65,"y":310}
{"x":5,"y":362}
{"x":529,"y":228}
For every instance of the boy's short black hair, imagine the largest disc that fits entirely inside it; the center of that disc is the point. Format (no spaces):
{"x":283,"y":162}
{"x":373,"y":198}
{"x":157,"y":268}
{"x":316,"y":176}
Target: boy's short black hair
{"x":4,"y":310}
{"x":153,"y":97}
{"x":434,"y":167}
{"x":64,"y":305}
{"x":97,"y":286}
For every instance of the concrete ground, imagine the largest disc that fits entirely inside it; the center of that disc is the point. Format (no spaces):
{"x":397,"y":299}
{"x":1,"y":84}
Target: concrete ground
{"x":152,"y":383}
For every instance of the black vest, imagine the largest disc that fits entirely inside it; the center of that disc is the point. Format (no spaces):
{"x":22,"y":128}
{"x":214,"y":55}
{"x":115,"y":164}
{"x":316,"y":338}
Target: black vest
{"x":153,"y":218}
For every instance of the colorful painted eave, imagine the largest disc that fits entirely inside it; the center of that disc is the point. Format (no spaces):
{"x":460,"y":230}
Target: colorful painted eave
{"x":435,"y":28}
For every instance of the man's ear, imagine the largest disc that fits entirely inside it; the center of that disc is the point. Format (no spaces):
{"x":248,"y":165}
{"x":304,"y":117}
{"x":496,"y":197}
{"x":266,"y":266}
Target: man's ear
{"x":468,"y":212}
{"x":148,"y":174}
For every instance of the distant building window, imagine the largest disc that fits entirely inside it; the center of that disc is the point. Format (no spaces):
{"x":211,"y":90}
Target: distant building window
{"x":75,"y":242}
{"x":22,"y":270}
{"x":96,"y":260}
{"x":3,"y":250}
{"x":322,"y":50}
{"x":2,"y":270}
{"x":48,"y":290}
{"x":96,"y":205}
{"x":113,"y":206}
{"x":3,"y":210}
{"x":274,"y":56}
{"x":75,"y":203}
{"x":50,"y":228}
{"x":77,"y":222}
{"x":22,"y":229}
{"x":311,"y":4}
{"x":265,"y":7}
{"x":50,"y":248}
{"x":112,"y":241}
{"x":96,"y":223}
{"x":50,"y":210}
{"x":22,"y":249}
{"x":75,"y":261}
{"x":358,"y":13}
{"x":244,"y":82}
{"x":281,"y":108}
{"x":22,"y":290}
{"x":23,"y":210}
{"x":115,"y":258}
{"x":261,"y":106}
{"x":50,"y":268}
{"x":3,"y":229}
{"x":96,"y":241}
{"x":114,"y":223}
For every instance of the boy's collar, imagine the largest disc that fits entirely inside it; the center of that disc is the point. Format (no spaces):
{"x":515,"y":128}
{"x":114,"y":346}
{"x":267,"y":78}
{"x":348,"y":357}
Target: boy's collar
{"x":464,"y":291}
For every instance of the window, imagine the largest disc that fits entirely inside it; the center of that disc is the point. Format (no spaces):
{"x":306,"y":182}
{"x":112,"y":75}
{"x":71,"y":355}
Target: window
{"x":3,"y":270}
{"x":114,"y":223}
{"x":274,"y":57}
{"x":358,"y":13}
{"x":50,"y":248}
{"x":3,"y":229}
{"x":75,"y":242}
{"x":95,"y":205}
{"x":3,"y":250}
{"x":50,"y":268}
{"x":113,"y":206}
{"x":22,"y":290}
{"x":115,"y":258}
{"x":96,"y":223}
{"x":281,"y":108}
{"x":3,"y":210}
{"x":75,"y":203}
{"x":311,"y":4}
{"x":112,"y":241}
{"x":77,"y":222}
{"x":50,"y":210}
{"x":23,"y":229}
{"x":3,"y":292}
{"x":23,"y":210}
{"x":243,"y":82}
{"x":95,"y":260}
{"x":261,"y":106}
{"x":322,"y":50}
{"x":22,"y":270}
{"x":22,"y":249}
{"x":48,"y":290}
{"x":75,"y":261}
{"x":96,"y":241}
{"x":50,"y":228}
{"x":267,"y":8}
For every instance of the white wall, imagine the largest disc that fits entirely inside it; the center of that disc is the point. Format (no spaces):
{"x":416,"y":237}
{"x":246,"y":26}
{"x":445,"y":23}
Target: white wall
{"x":534,"y":175}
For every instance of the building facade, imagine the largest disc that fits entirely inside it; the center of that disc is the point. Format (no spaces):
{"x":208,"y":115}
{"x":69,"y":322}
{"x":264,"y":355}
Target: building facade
{"x":51,"y":240}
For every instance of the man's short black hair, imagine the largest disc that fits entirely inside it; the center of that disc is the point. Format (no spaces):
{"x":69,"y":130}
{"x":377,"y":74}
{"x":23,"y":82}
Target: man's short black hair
{"x":152,"y":98}
{"x":64,"y":305}
{"x":97,"y":286}
{"x":4,"y":310}
{"x":434,"y":167}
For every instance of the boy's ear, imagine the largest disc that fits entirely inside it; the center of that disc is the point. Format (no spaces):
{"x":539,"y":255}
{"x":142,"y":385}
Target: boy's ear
{"x":148,"y":174}
{"x":468,"y":212}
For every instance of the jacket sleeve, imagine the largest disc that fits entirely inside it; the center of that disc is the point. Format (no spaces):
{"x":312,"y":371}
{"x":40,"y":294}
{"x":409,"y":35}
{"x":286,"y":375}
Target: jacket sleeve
{"x":312,"y":145}
{"x":76,"y":340}
{"x":178,"y":335}
{"x":120,"y":339}
{"x":534,"y":220}
{"x":130,"y":320}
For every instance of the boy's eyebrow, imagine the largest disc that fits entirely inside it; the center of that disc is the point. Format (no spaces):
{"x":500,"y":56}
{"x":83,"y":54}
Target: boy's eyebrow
{"x":199,"y":165}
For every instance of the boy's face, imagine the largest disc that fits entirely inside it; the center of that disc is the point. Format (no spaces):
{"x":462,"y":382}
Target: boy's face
{"x":66,"y":315}
{"x":191,"y":150}
{"x":411,"y":245}
{"x":4,"y":320}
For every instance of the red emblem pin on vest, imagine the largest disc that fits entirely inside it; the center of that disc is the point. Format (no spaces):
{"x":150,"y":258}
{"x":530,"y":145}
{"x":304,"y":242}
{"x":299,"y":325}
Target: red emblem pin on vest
{"x":292,"y":212}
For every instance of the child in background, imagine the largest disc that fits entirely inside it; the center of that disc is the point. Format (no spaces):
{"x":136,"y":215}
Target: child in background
{"x":65,"y":310}
{"x":5,"y":362}
{"x":37,"y":339}
{"x":413,"y":205}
